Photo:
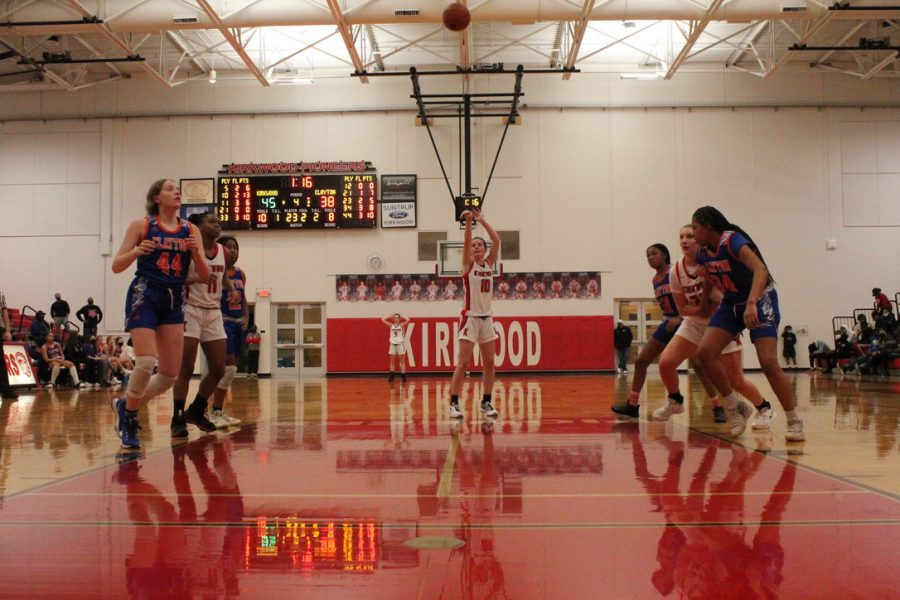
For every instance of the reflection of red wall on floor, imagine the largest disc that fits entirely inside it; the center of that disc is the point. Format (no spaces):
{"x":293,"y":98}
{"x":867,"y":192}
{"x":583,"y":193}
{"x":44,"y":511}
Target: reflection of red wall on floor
{"x":525,"y":344}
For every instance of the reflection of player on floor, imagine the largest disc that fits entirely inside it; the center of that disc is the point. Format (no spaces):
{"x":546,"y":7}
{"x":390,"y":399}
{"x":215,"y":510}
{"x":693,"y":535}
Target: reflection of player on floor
{"x":236,"y":316}
{"x":735,"y":265}
{"x":658,"y":258}
{"x":686,"y":280}
{"x":397,"y":343}
{"x":164,"y":247}
{"x":476,"y":323}
{"x":205,"y":327}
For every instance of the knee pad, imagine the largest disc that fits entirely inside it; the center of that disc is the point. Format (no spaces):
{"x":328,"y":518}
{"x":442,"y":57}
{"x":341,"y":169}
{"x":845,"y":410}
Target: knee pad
{"x":157,"y":385}
{"x":228,"y":377}
{"x":140,"y":377}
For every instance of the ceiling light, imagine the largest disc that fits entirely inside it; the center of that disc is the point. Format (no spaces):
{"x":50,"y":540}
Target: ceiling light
{"x":292,"y":81}
{"x":645,"y":76}
{"x":212,"y":75}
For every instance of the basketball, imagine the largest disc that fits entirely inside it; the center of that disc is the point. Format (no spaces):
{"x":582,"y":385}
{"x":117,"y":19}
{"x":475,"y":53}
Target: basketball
{"x":456,"y":17}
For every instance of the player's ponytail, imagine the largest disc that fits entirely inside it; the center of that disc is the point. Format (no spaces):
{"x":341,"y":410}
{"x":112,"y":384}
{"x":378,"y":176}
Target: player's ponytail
{"x":714,"y":220}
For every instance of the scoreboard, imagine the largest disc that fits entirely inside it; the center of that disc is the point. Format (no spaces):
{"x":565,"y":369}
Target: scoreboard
{"x":297,"y":201}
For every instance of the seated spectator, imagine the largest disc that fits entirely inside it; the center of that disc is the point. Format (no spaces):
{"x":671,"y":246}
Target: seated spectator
{"x":862,"y":332}
{"x":73,"y":351}
{"x":119,"y":351}
{"x":882,"y":305}
{"x":110,"y":366}
{"x":874,"y":360}
{"x":52,"y":354}
{"x":820,"y":357}
{"x":40,"y":328}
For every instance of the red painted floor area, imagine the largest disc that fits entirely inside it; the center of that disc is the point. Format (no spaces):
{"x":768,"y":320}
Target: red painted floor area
{"x":566,"y":509}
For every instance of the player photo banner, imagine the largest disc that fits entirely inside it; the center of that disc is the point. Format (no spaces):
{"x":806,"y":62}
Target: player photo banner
{"x":576,"y":343}
{"x":508,"y":286}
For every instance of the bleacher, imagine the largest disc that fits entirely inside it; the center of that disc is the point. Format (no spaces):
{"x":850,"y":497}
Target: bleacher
{"x":850,"y":321}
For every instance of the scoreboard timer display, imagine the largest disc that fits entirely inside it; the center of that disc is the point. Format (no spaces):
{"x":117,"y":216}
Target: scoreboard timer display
{"x":297,"y":201}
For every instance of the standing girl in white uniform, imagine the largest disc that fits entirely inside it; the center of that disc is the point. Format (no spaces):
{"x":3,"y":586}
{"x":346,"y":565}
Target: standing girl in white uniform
{"x":476,"y":324}
{"x":397,"y":343}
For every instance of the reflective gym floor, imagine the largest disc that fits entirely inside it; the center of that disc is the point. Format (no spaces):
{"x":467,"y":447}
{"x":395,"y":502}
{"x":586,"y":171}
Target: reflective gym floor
{"x":354,"y":488}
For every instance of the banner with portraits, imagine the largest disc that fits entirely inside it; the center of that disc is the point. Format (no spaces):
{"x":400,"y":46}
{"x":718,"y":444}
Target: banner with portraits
{"x":507,"y":286}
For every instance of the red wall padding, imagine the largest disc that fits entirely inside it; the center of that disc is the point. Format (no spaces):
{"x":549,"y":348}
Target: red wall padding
{"x":526,"y":344}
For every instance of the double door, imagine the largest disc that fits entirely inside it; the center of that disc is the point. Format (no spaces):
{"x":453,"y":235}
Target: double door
{"x":299,"y":340}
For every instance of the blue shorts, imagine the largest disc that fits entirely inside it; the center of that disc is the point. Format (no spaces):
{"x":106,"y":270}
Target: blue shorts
{"x":148,"y":305}
{"x":662,"y":333}
{"x":234,"y":332}
{"x":730,"y":317}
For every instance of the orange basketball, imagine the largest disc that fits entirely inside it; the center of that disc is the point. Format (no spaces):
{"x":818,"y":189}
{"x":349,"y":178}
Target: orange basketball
{"x":456,"y":17}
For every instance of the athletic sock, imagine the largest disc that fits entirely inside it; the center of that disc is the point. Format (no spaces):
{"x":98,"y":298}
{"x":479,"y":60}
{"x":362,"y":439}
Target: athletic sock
{"x":677,"y":397}
{"x":715,"y":401}
{"x":634,"y":398}
{"x":765,"y":404}
{"x":179,"y":409}
{"x":731,"y":401}
{"x":486,"y":399}
{"x":792,"y":415}
{"x":454,"y":399}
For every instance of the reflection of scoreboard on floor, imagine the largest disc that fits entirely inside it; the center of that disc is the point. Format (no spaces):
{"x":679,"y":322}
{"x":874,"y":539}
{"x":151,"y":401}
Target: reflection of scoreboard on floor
{"x":297,"y":201}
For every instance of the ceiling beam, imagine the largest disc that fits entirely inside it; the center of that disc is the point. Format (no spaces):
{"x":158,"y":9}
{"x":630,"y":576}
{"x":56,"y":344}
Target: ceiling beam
{"x":238,"y":47}
{"x":747,"y":42}
{"x":104,"y":29}
{"x":813,"y":29}
{"x":697,"y":28}
{"x":347,"y":36}
{"x":841,"y":41}
{"x":881,"y":65}
{"x":577,"y":38}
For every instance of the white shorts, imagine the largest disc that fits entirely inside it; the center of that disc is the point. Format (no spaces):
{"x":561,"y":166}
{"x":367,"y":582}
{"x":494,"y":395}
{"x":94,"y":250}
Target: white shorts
{"x":477,"y":329}
{"x":204,"y":324}
{"x":397,"y":349}
{"x":692,"y":331}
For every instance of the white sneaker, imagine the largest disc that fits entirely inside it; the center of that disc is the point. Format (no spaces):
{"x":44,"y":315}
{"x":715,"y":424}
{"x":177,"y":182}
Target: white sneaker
{"x":455,"y":413}
{"x":96,"y":386}
{"x":794,"y":431}
{"x":218,"y":419}
{"x":83,"y":384}
{"x":667,"y":410}
{"x":738,"y":417}
{"x":763,"y":418}
{"x":48,"y":386}
{"x":487,"y":409}
{"x":225,"y":418}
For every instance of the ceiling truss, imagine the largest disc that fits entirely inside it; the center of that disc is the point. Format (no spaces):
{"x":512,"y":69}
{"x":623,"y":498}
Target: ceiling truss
{"x":75,"y":48}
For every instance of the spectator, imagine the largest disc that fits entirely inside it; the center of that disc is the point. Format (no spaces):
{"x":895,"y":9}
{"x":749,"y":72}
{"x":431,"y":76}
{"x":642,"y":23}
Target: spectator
{"x":73,"y":351}
{"x":5,"y":336}
{"x":59,"y":312}
{"x":882,"y":305}
{"x":55,"y":360}
{"x":862,"y":332}
{"x":819,"y":355}
{"x":789,"y":352}
{"x":875,"y":358}
{"x":252,"y":341}
{"x":622,"y":338}
{"x":40,"y":328}
{"x":91,"y":315}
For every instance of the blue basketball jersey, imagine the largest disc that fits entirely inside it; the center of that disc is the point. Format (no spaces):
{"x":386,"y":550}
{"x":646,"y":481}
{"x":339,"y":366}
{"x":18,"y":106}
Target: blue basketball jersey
{"x":238,"y":279}
{"x":725,"y":269}
{"x":664,"y":297}
{"x":167,"y":265}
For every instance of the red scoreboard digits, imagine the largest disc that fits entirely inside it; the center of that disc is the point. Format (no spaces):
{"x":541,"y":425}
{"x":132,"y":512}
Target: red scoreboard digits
{"x":297,"y":201}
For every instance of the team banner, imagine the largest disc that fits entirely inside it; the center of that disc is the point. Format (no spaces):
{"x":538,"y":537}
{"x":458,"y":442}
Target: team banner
{"x":507,"y":286}
{"x":18,"y":365}
{"x":524,"y":344}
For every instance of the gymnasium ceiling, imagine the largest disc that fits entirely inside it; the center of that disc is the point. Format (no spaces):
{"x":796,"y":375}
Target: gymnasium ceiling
{"x":72,"y":44}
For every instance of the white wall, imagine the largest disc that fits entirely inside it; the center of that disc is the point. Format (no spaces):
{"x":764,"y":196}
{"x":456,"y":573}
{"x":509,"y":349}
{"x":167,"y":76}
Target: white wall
{"x":588,"y":187}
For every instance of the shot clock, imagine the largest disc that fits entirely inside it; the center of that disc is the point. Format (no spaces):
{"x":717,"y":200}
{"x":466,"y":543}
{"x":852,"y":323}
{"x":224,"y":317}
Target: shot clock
{"x":302,"y":201}
{"x":466,"y":202}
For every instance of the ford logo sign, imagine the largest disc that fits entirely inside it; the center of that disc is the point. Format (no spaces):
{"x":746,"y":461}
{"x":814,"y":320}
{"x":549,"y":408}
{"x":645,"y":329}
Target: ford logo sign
{"x":399,"y":214}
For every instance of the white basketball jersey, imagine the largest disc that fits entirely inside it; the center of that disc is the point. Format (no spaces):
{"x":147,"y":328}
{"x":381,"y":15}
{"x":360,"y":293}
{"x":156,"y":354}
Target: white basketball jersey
{"x":689,"y":281}
{"x":396,"y":334}
{"x":208,"y":294}
{"x":478,"y":282}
